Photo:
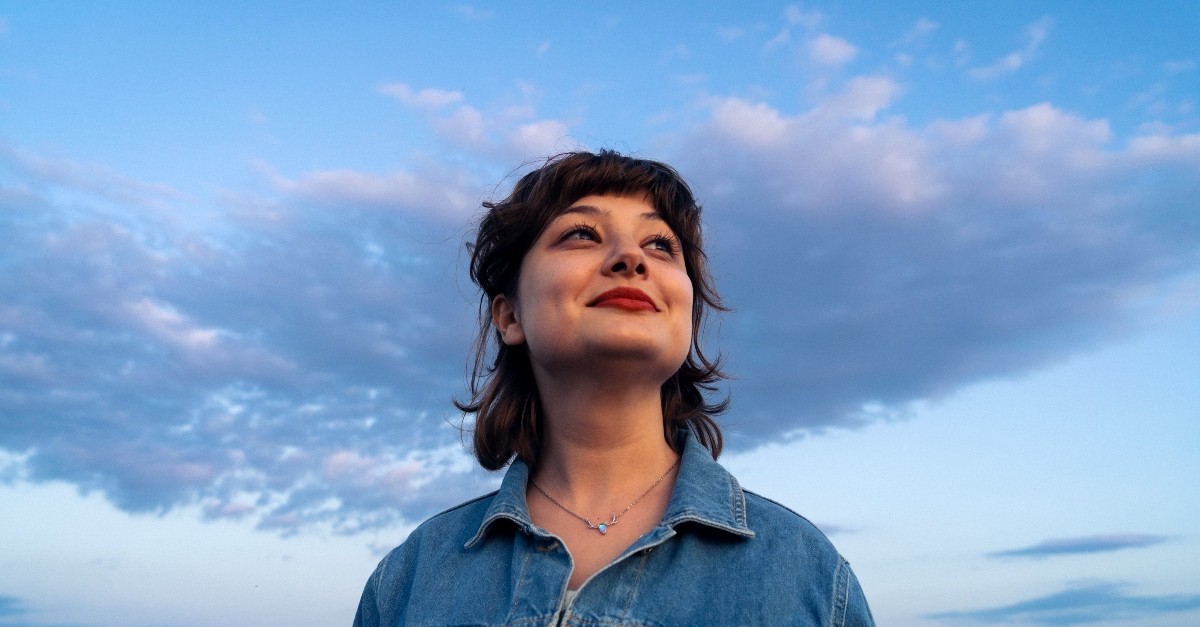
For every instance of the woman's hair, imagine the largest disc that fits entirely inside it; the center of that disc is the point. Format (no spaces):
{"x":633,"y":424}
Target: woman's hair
{"x":504,"y":397}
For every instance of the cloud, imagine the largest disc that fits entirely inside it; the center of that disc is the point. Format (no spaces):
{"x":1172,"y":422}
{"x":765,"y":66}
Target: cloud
{"x":428,"y":98}
{"x":1034,"y":34}
{"x":445,"y":193}
{"x":920,"y":30}
{"x":1085,"y":545}
{"x":228,"y":361}
{"x":1080,"y":604}
{"x":510,"y":135}
{"x":832,"y":51}
{"x":795,"y":16}
{"x":872,"y":263}
{"x":285,"y":352}
{"x":93,"y":179}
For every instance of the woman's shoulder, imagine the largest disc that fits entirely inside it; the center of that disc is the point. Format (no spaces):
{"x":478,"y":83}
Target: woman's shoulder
{"x":451,"y":522}
{"x":769,"y":517}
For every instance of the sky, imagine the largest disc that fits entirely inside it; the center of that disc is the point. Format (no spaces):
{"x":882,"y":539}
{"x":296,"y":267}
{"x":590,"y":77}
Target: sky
{"x":960,"y":243}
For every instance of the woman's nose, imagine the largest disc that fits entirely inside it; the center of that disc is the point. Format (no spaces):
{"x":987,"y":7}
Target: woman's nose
{"x":626,"y":260}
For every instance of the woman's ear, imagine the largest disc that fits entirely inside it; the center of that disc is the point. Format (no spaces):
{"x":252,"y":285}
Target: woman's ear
{"x":504,"y":316}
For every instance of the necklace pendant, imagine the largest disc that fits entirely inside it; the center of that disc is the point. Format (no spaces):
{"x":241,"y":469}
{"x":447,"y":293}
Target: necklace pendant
{"x":602,"y":528}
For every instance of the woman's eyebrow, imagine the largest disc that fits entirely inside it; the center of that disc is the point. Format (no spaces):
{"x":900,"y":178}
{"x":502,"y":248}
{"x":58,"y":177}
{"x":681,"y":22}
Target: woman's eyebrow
{"x":589,"y":210}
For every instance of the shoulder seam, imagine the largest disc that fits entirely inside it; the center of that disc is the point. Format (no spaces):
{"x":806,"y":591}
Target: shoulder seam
{"x":790,"y":511}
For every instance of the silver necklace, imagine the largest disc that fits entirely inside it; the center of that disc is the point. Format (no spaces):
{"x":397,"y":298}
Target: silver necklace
{"x":603,"y":527}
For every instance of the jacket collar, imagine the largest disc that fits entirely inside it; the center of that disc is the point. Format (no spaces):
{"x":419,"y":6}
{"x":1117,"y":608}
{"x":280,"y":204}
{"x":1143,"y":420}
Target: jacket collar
{"x":705,"y":493}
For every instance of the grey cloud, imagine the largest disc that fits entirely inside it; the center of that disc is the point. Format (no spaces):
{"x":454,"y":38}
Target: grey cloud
{"x":230,"y":364}
{"x":1079,"y":605}
{"x":288,"y":354}
{"x":1083,"y":545}
{"x":872,"y":265}
{"x":93,"y":179}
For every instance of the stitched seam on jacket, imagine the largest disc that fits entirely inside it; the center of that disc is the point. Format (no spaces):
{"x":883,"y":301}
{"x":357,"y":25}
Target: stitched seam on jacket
{"x":738,"y":499}
{"x":516,"y":596}
{"x":637,"y":579}
{"x":841,"y":593}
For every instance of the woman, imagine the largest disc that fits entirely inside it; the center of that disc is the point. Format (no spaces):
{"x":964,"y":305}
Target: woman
{"x":613,"y":510}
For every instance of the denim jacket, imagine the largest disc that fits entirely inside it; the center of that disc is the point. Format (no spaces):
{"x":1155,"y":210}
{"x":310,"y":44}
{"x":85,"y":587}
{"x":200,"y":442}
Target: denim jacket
{"x":720,"y":556}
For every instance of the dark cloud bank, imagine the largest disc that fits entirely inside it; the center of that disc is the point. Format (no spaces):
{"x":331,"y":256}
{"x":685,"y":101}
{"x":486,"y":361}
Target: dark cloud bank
{"x":290,"y":355}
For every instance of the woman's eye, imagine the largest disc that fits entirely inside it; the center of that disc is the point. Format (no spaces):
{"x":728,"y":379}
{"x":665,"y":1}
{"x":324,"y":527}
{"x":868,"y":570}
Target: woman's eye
{"x":665,"y":244}
{"x":581,"y":232}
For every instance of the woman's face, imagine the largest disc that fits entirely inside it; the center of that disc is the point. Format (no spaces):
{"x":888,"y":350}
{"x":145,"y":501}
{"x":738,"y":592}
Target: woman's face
{"x":604,"y":282}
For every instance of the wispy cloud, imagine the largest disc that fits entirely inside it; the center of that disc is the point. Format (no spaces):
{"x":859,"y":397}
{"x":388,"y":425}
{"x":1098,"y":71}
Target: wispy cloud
{"x":445,"y":192}
{"x":1034,"y":35}
{"x":512,"y":134}
{"x":1086,"y":544}
{"x":427,"y":98}
{"x":919,"y":31}
{"x":95,"y":179}
{"x":1079,"y":605}
{"x":795,"y":17}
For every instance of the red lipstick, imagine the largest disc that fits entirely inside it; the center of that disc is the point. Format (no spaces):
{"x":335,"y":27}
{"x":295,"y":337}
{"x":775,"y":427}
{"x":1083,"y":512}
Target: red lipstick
{"x":629,"y":298}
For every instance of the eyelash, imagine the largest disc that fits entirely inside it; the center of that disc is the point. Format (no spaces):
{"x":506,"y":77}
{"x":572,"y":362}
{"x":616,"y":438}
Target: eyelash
{"x":581,"y":228}
{"x":670,"y":242}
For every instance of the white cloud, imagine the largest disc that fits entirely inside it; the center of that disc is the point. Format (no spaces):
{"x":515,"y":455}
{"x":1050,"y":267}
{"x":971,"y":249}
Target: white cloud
{"x":1035,"y":34}
{"x":540,"y":138}
{"x":755,"y":124}
{"x":510,"y":134}
{"x":425,"y":99}
{"x":465,"y":126}
{"x":796,"y":16}
{"x":829,"y":50}
{"x":863,"y":98}
{"x":1164,"y":149}
{"x":443,"y":195}
{"x":164,"y":322}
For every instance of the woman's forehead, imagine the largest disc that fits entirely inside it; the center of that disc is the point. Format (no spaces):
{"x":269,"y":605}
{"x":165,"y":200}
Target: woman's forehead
{"x":597,"y":207}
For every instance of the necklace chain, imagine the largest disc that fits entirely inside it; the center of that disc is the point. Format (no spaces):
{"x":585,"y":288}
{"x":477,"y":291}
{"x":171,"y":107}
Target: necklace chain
{"x":603,"y":527}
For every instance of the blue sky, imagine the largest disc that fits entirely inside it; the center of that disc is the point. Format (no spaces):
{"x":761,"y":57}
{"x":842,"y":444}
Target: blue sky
{"x":961,"y":242}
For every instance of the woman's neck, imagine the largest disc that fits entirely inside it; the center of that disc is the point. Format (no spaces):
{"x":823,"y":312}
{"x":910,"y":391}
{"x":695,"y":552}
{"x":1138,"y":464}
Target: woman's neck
{"x":601,"y":445}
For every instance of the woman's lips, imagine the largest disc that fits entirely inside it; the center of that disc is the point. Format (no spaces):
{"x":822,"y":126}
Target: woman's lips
{"x":629,"y":298}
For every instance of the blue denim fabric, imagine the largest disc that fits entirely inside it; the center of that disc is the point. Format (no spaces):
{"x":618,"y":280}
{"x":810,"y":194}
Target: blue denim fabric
{"x":721,"y":556}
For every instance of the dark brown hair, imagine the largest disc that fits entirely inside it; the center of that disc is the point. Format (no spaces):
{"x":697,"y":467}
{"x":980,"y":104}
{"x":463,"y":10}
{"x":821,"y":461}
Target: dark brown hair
{"x":504,"y":397}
